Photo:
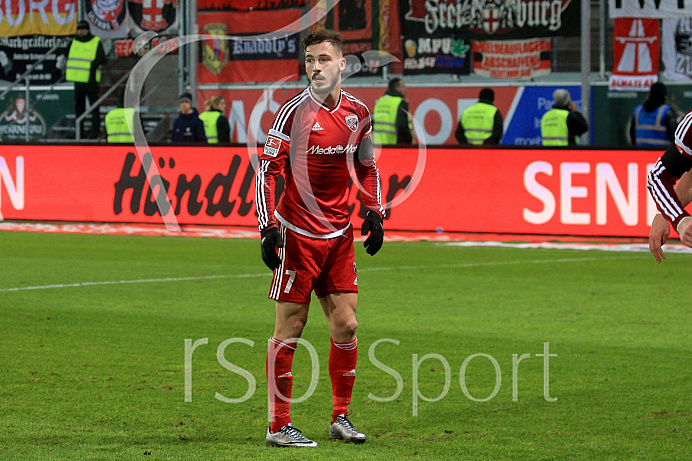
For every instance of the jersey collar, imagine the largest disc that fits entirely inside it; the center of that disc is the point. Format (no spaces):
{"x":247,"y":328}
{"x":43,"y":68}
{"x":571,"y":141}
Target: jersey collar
{"x":341,"y":94}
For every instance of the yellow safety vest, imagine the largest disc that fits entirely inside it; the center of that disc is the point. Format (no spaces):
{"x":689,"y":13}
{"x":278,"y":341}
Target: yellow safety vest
{"x":209,"y":118}
{"x":120,"y":125}
{"x":384,"y":119}
{"x":554,"y":130}
{"x":478,"y":121}
{"x":79,"y":60}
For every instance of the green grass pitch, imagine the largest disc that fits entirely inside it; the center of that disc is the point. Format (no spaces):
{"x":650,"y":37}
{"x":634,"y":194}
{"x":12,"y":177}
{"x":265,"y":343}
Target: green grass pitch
{"x":93,"y":368}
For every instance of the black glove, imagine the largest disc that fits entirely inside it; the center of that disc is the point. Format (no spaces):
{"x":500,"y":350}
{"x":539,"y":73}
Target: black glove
{"x":271,"y":238}
{"x":373,"y":225}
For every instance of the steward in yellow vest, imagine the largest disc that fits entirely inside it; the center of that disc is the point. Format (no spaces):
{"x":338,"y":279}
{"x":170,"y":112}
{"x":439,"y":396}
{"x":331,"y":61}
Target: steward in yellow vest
{"x":216,"y":125}
{"x":481,"y":123}
{"x":84,"y":61}
{"x":120,"y":125}
{"x":391,"y":118}
{"x":562,"y":125}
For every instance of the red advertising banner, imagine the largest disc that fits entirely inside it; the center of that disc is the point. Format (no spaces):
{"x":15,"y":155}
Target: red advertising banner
{"x":246,"y":57}
{"x":539,"y":191}
{"x":636,"y":52}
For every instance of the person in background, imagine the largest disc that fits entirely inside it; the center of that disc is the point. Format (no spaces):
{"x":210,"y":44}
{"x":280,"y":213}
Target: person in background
{"x":391,"y":118}
{"x":654,"y":121}
{"x":670,"y":186}
{"x":480,"y":123}
{"x":188,"y":127}
{"x":563,"y":124}
{"x":216,"y":125}
{"x":120,"y":123}
{"x":84,"y":61}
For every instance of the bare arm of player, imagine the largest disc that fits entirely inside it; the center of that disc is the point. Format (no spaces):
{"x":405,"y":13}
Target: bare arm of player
{"x":660,"y":227}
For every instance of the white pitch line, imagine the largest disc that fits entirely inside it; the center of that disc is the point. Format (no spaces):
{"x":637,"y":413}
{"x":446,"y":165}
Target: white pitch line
{"x":266,"y":274}
{"x":124,"y":282}
{"x":617,"y":247}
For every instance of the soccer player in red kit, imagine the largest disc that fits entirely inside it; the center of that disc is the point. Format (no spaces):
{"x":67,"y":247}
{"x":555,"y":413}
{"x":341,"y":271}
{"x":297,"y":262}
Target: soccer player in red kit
{"x":316,"y":138}
{"x":670,"y":185}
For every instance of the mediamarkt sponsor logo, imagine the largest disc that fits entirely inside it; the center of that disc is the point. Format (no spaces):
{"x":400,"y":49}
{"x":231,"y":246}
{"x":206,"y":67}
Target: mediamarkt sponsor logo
{"x":331,"y":150}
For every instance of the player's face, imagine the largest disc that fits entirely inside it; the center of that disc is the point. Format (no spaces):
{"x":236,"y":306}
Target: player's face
{"x":324,"y":64}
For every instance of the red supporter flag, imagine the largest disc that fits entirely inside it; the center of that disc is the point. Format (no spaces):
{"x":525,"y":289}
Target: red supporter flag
{"x":636,"y":52}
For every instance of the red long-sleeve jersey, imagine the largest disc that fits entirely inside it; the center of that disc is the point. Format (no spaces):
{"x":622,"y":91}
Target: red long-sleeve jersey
{"x":314,"y":147}
{"x":674,"y":163}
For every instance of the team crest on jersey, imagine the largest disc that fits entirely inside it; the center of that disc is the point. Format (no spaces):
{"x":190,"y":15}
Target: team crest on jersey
{"x":352,"y":122}
{"x":272,"y":146}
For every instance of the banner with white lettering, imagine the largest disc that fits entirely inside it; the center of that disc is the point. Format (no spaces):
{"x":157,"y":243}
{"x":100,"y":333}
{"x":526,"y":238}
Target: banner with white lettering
{"x":437,"y":34}
{"x":511,"y":58}
{"x":30,"y":17}
{"x":231,"y":53}
{"x":18,"y":53}
{"x":36,"y":115}
{"x":636,"y":53}
{"x":107,"y":18}
{"x":676,"y":48}
{"x":650,"y":9}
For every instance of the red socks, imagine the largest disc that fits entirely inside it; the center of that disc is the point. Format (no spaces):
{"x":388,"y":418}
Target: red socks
{"x":342,"y":371}
{"x":280,"y":381}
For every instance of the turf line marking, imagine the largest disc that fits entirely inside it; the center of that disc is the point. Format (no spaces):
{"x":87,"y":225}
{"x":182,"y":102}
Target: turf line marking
{"x":495,"y":263}
{"x":267,"y":274}
{"x":125,"y":282}
{"x":620,"y":247}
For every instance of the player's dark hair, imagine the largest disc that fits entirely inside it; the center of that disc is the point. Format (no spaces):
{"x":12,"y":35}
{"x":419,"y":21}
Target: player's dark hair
{"x":394,"y":82}
{"x":324,"y":35}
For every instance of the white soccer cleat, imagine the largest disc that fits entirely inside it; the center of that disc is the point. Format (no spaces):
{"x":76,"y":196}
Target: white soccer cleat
{"x":342,"y":429}
{"x":288,"y":436}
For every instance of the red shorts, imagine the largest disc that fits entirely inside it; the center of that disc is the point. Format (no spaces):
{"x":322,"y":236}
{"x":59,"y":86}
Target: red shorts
{"x":324,"y":265}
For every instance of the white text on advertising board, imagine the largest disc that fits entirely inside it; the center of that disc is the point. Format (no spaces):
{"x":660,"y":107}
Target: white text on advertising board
{"x":13,"y":186}
{"x":624,"y":193}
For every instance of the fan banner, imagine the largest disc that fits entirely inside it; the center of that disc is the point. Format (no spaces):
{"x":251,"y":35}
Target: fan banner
{"x":649,"y":9}
{"x":554,"y":191}
{"x":30,"y":17}
{"x":389,"y":32}
{"x":511,"y":58}
{"x":636,"y":53}
{"x":437,"y":34}
{"x":17,"y":54}
{"x":107,"y":18}
{"x":160,"y":16}
{"x":247,"y":5}
{"x":232,"y":51}
{"x":676,"y":49}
